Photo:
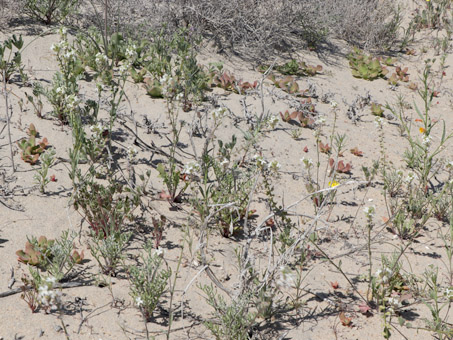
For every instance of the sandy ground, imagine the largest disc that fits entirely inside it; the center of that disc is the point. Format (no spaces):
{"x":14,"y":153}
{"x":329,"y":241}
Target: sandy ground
{"x":109,"y":313}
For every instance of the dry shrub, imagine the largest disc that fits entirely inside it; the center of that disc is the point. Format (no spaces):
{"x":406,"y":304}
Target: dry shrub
{"x":258,"y":27}
{"x":255,"y":28}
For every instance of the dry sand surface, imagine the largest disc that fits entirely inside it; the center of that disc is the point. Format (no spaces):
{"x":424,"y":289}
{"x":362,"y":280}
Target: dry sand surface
{"x":92,"y":312}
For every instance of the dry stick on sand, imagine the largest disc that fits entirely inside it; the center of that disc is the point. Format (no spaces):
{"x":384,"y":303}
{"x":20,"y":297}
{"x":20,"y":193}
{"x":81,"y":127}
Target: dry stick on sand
{"x":5,"y":93}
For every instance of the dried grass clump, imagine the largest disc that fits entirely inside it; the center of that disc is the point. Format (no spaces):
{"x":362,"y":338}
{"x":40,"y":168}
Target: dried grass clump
{"x":258,"y":27}
{"x":370,"y":24}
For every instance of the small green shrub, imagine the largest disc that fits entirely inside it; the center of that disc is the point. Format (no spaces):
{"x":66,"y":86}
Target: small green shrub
{"x":365,"y":66}
{"x":148,"y":281}
{"x":234,"y":319}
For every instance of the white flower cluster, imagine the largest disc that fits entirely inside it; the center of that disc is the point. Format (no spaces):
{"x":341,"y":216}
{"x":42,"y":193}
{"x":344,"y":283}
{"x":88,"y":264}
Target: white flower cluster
{"x":72,"y":101}
{"x":274,"y":165}
{"x":449,"y":293}
{"x":272,"y":122}
{"x":124,"y":68}
{"x":369,"y":211}
{"x":138,"y":301}
{"x":160,"y":252}
{"x":393,"y":303}
{"x":218,"y":113}
{"x":60,"y":46}
{"x":48,"y":297}
{"x":101,"y":59}
{"x":287,"y":277}
{"x":224,"y":163}
{"x":261,"y":163}
{"x":426,"y":140}
{"x":166,"y":82}
{"x":191,"y":168}
{"x":180,"y":97}
{"x":97,"y":129}
{"x":131,"y":153}
{"x":131,"y":53}
{"x":333,"y":104}
{"x":307,"y":162}
{"x":321,"y":120}
{"x":63,"y":49}
{"x":383,"y":275}
{"x":60,"y":90}
{"x":379,"y":122}
{"x":411,"y":176}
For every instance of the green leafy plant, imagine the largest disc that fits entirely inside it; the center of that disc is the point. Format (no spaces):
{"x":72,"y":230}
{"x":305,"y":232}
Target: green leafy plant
{"x":287,"y":84}
{"x":295,"y":68}
{"x":148,"y":281}
{"x":47,"y":160}
{"x":365,"y":66}
{"x":31,"y":150}
{"x":234,"y":319}
{"x":377,"y":110}
{"x":10,"y":62}
{"x":107,"y":247}
{"x":298,"y":117}
{"x":35,"y":99}
{"x":57,"y":257}
{"x":105,"y":208}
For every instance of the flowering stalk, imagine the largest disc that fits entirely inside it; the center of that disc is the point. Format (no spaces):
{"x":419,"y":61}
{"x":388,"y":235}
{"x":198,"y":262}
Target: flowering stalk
{"x":369,"y":213}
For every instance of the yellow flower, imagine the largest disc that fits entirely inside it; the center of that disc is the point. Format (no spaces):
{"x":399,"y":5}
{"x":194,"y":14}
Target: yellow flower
{"x":422,"y":130}
{"x":333,"y":184}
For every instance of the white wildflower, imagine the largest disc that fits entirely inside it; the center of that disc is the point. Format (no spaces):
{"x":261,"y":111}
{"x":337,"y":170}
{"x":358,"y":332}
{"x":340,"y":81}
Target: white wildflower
{"x":383,"y":275}
{"x":218,"y":113}
{"x":449,"y":293}
{"x":411,"y":176}
{"x":72,"y":101}
{"x":393,"y":303}
{"x":224,"y":163}
{"x":131,"y":153}
{"x":426,"y":141}
{"x":274,"y":165}
{"x":70,"y":55}
{"x":52,"y":280}
{"x":379,"y":122}
{"x":260,"y":161}
{"x":160,"y":252}
{"x":138,"y":301}
{"x":101,"y":58}
{"x":333,"y":104}
{"x":307,"y":162}
{"x":369,"y":211}
{"x":320,"y":120}
{"x":272,"y":122}
{"x":191,"y":168}
{"x":131,"y":52}
{"x":180,"y":96}
{"x":123,"y":68}
{"x":97,"y":129}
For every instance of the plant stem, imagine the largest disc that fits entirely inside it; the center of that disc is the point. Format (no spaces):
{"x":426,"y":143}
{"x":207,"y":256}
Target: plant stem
{"x":5,"y":93}
{"x":172,"y":293}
